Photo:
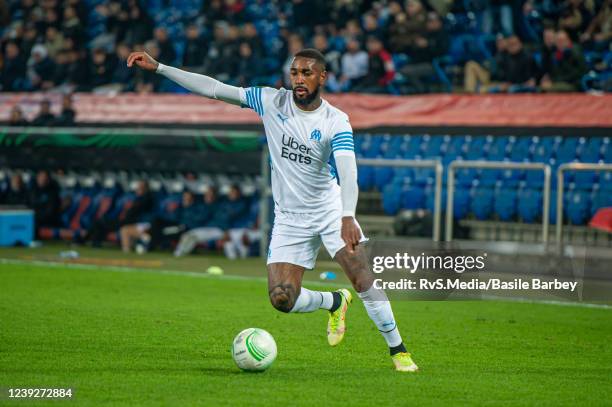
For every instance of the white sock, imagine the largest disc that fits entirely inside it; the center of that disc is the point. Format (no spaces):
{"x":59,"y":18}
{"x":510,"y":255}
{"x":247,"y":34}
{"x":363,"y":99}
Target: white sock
{"x":379,"y":309}
{"x":309,"y":301}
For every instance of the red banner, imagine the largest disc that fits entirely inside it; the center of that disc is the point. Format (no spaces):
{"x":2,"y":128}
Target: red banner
{"x":365,"y":111}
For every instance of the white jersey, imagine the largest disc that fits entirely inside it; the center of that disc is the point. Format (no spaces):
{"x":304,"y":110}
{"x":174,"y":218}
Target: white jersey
{"x":301,"y":145}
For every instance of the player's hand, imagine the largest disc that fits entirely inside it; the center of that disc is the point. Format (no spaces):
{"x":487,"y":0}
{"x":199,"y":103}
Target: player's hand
{"x":350,"y":233}
{"x":142,"y":60}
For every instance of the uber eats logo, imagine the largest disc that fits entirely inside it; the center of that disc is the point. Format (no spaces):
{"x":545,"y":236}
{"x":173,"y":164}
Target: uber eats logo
{"x":295,"y":151}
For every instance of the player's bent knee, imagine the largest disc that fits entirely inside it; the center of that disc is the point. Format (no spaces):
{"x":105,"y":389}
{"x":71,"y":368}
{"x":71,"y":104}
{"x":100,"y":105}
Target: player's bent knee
{"x":282,"y":299}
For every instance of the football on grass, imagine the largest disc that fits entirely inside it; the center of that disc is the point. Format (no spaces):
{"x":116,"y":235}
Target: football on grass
{"x":254,"y":350}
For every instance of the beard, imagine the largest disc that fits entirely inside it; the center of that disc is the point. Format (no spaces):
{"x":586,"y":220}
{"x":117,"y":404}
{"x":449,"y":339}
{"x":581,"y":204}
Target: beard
{"x":308,"y":98}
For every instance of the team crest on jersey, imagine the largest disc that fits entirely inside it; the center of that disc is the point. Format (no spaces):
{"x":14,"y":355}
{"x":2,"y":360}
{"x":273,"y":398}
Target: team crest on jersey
{"x":315,"y":135}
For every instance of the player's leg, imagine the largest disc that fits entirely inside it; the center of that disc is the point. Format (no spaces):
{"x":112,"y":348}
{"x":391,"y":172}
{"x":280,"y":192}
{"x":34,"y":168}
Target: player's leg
{"x":128,"y":234}
{"x":376,"y":303}
{"x":190,"y":239}
{"x":293,"y":248}
{"x":287,"y":294}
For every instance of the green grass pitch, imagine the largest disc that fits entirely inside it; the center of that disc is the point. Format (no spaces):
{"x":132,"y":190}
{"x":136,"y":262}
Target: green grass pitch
{"x":149,"y":338}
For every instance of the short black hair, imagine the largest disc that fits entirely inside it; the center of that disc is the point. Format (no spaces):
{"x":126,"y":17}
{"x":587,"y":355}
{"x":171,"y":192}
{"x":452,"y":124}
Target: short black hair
{"x":312,"y":53}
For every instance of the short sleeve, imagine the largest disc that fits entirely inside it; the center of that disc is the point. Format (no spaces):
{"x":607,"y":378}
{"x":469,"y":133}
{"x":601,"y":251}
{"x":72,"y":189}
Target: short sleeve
{"x":256,"y":98}
{"x":342,"y":138}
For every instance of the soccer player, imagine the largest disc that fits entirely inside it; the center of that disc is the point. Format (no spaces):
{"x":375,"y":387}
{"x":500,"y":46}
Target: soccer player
{"x":304,"y":133}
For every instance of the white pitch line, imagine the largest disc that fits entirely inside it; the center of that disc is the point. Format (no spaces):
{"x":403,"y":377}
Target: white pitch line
{"x":94,"y":267}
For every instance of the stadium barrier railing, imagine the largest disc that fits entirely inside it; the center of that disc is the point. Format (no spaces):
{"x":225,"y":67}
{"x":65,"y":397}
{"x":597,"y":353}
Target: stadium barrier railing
{"x":266,"y":191}
{"x":560,"y":190}
{"x":491,"y":165}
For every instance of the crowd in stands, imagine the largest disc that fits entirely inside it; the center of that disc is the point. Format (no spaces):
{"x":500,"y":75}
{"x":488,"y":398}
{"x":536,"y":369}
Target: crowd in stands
{"x":141,"y":220}
{"x":370,"y":46}
{"x":45,"y":116}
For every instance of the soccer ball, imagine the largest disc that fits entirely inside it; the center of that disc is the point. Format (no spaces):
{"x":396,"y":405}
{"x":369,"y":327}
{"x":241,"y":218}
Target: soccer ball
{"x":254,"y":349}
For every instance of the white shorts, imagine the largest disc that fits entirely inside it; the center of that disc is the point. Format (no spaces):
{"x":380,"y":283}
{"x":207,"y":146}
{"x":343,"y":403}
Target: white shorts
{"x":297,"y":237}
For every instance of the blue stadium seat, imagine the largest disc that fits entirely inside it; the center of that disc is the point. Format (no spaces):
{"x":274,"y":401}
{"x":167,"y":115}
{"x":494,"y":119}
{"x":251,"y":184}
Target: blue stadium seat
{"x":423,"y":176}
{"x":585,"y":179}
{"x":511,"y":178}
{"x":600,"y":199}
{"x":391,"y":199}
{"x":578,"y":208}
{"x":430,"y":195}
{"x":365,"y":177}
{"x":505,"y":203}
{"x":566,"y":152}
{"x":478,"y":147}
{"x":482,"y":203}
{"x":382,"y":176}
{"x":590,"y":152}
{"x":461,"y":203}
{"x":489,"y":177}
{"x":530,"y":205}
{"x":411,"y":146}
{"x":521,"y":149}
{"x":605,"y":181}
{"x":466,"y":176}
{"x":498,"y":149}
{"x":535,"y":178}
{"x":413,"y":197}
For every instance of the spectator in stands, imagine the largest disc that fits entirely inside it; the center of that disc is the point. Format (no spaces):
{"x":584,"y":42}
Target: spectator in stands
{"x":515,"y":70}
{"x":101,"y":68}
{"x":17,"y":193}
{"x":167,"y":54}
{"x":117,"y":20}
{"x":249,"y":68}
{"x":599,"y":32}
{"x":354,"y":64}
{"x":380,"y":69}
{"x":575,"y":18}
{"x":195,"y":50}
{"x":123,"y":77}
{"x":433,"y":44}
{"x":234,"y":11}
{"x":250,"y":35}
{"x":45,"y":200}
{"x":30,"y":38}
{"x":353,"y":30}
{"x":568,"y":66}
{"x":295,"y":45}
{"x":72,"y":26}
{"x":140,"y":25}
{"x":137,"y":216}
{"x":547,"y":51}
{"x":371,"y":27}
{"x":72,"y":71}
{"x":408,"y":27}
{"x":188,"y":215}
{"x":497,"y":15}
{"x":54,"y":41}
{"x":67,"y":115}
{"x":17,"y":118}
{"x":13,"y":70}
{"x":44,"y":117}
{"x":332,"y":59}
{"x":223,"y":214}
{"x":40,"y":69}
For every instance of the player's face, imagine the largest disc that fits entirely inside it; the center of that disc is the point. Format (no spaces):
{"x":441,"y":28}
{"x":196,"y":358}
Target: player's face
{"x":307,"y":77}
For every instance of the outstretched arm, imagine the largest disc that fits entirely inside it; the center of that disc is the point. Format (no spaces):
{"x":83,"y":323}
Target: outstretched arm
{"x":200,"y":84}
